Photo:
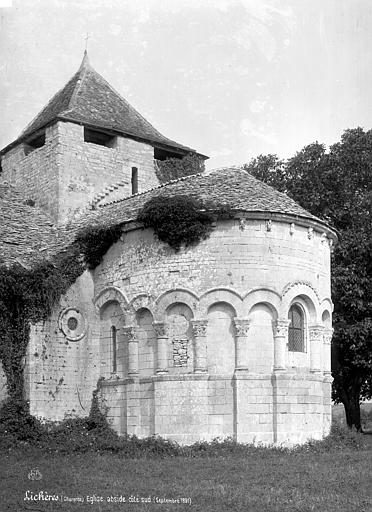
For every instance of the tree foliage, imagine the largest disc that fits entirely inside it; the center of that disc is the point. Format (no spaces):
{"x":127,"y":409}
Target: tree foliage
{"x":336,"y":185}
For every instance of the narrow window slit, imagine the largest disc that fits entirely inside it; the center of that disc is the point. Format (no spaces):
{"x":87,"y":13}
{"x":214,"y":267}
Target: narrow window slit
{"x":114,"y":348}
{"x":134,"y":180}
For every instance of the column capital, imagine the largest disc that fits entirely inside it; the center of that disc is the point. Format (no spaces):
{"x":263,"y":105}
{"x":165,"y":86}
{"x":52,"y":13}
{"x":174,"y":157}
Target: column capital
{"x":316,"y":331}
{"x":316,"y":343}
{"x":280,"y":327}
{"x":161,"y":329}
{"x":327,"y":336}
{"x":199,"y":327}
{"x":199,"y":330}
{"x":280,"y":332}
{"x":241,"y":326}
{"x":130,"y":333}
{"x":241,"y":335}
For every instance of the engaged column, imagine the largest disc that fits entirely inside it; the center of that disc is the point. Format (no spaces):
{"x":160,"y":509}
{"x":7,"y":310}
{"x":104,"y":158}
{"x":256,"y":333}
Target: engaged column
{"x":241,"y":335}
{"x":199,"y":329}
{"x":161,"y":329}
{"x":280,"y":343}
{"x":130,"y":333}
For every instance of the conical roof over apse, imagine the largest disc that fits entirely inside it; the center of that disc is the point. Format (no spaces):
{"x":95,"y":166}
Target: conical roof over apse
{"x":90,"y":100}
{"x":27,"y":234}
{"x":231,"y":187}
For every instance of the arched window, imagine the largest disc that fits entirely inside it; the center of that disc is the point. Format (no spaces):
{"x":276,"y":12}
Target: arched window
{"x":296,"y":329}
{"x":114,"y":348}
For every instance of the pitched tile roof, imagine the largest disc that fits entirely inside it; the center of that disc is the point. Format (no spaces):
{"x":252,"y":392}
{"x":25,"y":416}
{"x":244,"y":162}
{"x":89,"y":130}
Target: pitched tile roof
{"x":27,"y":234}
{"x":233,"y":187}
{"x":89,"y":99}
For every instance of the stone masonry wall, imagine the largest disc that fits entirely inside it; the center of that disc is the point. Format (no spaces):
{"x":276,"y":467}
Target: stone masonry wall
{"x":36,"y":173}
{"x":197,"y":338}
{"x":239,"y":284}
{"x":65,"y":174}
{"x":87,"y":169}
{"x":233,"y":258}
{"x":62,"y":372}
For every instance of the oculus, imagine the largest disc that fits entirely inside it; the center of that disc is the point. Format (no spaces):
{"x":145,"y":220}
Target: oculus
{"x":72,"y":323}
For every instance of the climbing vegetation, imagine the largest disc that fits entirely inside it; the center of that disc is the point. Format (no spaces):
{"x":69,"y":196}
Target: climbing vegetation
{"x":175,"y":168}
{"x":29,"y":294}
{"x":177,"y":220}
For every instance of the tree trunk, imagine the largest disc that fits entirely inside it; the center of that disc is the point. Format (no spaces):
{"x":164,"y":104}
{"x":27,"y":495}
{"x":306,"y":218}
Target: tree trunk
{"x":351,"y":399}
{"x":352,"y":411}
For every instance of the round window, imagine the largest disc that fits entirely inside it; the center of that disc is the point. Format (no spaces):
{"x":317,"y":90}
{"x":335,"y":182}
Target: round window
{"x":72,"y":323}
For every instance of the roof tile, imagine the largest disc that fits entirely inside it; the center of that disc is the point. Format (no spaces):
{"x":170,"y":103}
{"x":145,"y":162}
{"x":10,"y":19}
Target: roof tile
{"x":89,"y":99}
{"x":233,"y":187}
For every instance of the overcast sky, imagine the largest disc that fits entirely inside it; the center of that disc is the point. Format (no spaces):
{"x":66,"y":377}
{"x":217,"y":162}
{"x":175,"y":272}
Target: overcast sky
{"x":230,"y":78}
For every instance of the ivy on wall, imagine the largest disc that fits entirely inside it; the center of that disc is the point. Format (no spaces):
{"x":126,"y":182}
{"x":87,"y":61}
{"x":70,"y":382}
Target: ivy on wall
{"x":94,"y":242}
{"x":174,"y":168}
{"x":29,"y":295}
{"x":177,"y":220}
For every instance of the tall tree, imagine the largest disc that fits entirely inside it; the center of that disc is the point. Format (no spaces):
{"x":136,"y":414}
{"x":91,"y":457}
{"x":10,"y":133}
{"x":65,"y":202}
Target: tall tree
{"x":336,"y":185}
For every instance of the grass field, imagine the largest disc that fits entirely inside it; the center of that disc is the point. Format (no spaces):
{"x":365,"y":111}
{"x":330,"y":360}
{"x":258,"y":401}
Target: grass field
{"x":260,"y":480}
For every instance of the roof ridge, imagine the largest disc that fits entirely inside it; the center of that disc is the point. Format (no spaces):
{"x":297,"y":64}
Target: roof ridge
{"x":130,"y":106}
{"x":136,"y":111}
{"x":85,"y":63}
{"x":89,"y":99}
{"x":45,"y":109}
{"x":82,"y":74}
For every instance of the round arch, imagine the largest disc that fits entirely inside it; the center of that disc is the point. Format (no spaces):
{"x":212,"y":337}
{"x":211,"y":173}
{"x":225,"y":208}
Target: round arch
{"x":110,"y":294}
{"x":326,"y":309}
{"x":139,"y":302}
{"x":306,"y":295}
{"x":266,"y":296}
{"x":224,"y":295}
{"x":179,"y":295}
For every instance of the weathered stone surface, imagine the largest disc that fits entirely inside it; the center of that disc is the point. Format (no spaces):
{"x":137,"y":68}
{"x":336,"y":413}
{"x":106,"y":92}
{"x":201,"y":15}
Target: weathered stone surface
{"x":189,"y":345}
{"x":168,"y":320}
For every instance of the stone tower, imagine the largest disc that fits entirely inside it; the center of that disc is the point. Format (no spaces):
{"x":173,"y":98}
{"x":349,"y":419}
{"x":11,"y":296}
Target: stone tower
{"x":86,"y":142}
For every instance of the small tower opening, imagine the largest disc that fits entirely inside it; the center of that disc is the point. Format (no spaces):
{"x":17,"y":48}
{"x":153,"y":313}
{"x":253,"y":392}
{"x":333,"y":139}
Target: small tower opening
{"x":163,"y":154}
{"x":100,"y":138}
{"x":134,"y":180}
{"x":34,"y":143}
